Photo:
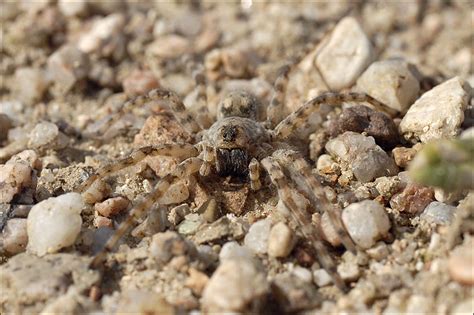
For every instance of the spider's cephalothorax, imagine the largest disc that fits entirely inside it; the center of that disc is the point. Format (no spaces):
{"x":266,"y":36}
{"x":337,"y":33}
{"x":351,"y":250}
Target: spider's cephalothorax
{"x":239,"y":144}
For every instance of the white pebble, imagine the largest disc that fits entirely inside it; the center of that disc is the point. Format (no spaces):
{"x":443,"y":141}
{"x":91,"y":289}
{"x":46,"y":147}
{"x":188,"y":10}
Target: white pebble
{"x":44,"y":133}
{"x":280,"y":241}
{"x":391,"y":82}
{"x":101,"y":33}
{"x":257,"y":238}
{"x":366,"y":222}
{"x":54,"y":223}
{"x":321,"y":277}
{"x":302,"y":273}
{"x":438,"y":113}
{"x":345,"y":55}
{"x":439,"y":213}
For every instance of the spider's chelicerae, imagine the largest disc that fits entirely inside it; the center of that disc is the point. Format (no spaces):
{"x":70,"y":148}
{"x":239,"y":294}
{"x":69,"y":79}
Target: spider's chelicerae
{"x":237,"y":144}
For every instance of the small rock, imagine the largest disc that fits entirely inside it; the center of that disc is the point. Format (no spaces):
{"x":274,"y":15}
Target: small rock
{"x":143,"y":302}
{"x":328,"y":231}
{"x":344,"y":55}
{"x":348,"y":271}
{"x":220,"y":229}
{"x":210,"y":210}
{"x":169,"y":46}
{"x":403,"y":156}
{"x":178,"y":213}
{"x":46,"y":135}
{"x":29,"y":157}
{"x":233,"y":251}
{"x":14,"y":178}
{"x":67,"y":66}
{"x":327,"y":165}
{"x":112,"y":206}
{"x":388,"y":186}
{"x":438,"y":113}
{"x":321,"y":277}
{"x":257,"y":237}
{"x":366,"y":222}
{"x":196,"y":281}
{"x":379,"y":251}
{"x":164,"y":246}
{"x":236,"y":286}
{"x":30,"y":85}
{"x":14,"y":238}
{"x":391,"y":82}
{"x":439,"y":213}
{"x":413,"y":199}
{"x":190,"y":224}
{"x":363,"y":119}
{"x":366,"y":160}
{"x":420,"y":304}
{"x":293,"y":294}
{"x":100,"y":221}
{"x":280,"y":241}
{"x":461,"y":263}
{"x":73,"y":7}
{"x":177,"y":193}
{"x":139,"y":82}
{"x":302,"y":273}
{"x":54,"y":223}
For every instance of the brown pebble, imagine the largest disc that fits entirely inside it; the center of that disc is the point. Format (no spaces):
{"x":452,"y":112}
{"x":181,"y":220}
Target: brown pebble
{"x":196,"y":281}
{"x":413,"y":199}
{"x":112,"y":206}
{"x":100,"y":221}
{"x":461,"y":265}
{"x":94,"y":293}
{"x":139,"y":82}
{"x":403,"y":156}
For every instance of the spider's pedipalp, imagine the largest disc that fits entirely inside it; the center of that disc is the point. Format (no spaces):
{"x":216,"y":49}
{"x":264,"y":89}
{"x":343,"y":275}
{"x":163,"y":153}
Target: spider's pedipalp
{"x":302,"y":218}
{"x":184,"y":169}
{"x":293,"y":160}
{"x":254,"y":174}
{"x":299,"y":118}
{"x":177,"y":150}
{"x":275,"y":110}
{"x":179,"y":110}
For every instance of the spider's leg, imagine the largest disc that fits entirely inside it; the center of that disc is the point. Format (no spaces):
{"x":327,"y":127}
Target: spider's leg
{"x":184,"y":169}
{"x":299,"y":118}
{"x":301,"y":168}
{"x":180,"y":151}
{"x":208,"y":157}
{"x":179,"y":110}
{"x":254,"y":175}
{"x":275,"y":110}
{"x":302,"y":218}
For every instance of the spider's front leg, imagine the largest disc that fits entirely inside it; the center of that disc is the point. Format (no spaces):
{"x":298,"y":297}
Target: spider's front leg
{"x":302,"y":218}
{"x":275,"y":110}
{"x":183,"y":170}
{"x":176,"y":150}
{"x":299,"y":118}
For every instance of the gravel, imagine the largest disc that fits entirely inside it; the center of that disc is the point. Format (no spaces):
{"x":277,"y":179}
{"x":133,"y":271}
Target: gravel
{"x":438,"y":213}
{"x":438,"y":113}
{"x":112,"y":206}
{"x":54,"y":223}
{"x":280,"y":241}
{"x":257,"y":237}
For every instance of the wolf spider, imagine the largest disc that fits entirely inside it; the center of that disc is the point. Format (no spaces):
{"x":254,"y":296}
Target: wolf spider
{"x":238,"y":145}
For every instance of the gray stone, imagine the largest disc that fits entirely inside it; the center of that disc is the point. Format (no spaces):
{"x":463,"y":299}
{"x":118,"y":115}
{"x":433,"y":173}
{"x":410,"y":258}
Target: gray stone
{"x":438,"y":113}
{"x":439,"y":213}
{"x":257,"y":237}
{"x":345,"y":54}
{"x":66,"y":66}
{"x":391,"y":82}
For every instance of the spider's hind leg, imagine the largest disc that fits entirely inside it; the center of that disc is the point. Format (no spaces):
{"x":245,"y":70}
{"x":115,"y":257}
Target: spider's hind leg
{"x":183,"y":170}
{"x":302,"y":218}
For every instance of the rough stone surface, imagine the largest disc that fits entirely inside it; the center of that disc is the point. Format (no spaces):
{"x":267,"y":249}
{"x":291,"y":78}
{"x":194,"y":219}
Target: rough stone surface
{"x":366,"y":222}
{"x":14,"y":177}
{"x":46,"y":135}
{"x":27,"y":282}
{"x":412,"y":199}
{"x":365,"y":159}
{"x":373,"y":123}
{"x":280,"y":241}
{"x":438,"y":113}
{"x":345,"y":55}
{"x":112,"y":206}
{"x":236,"y":286}
{"x":403,"y":156}
{"x":391,"y":82}
{"x":54,"y":223}
{"x":439,"y":213}
{"x":14,"y":238}
{"x":257,"y":236}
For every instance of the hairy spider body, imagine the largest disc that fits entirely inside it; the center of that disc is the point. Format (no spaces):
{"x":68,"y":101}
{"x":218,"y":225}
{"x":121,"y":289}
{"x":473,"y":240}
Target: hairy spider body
{"x":238,"y":144}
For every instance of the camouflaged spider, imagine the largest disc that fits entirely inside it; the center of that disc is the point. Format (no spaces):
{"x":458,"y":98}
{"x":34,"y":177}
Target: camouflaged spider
{"x":239,"y":145}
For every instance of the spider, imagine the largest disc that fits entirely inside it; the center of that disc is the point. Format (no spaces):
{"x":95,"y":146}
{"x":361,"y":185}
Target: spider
{"x":237,"y":144}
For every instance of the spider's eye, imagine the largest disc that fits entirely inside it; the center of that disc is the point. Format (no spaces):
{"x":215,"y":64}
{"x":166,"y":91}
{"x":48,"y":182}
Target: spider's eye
{"x":229,"y":133}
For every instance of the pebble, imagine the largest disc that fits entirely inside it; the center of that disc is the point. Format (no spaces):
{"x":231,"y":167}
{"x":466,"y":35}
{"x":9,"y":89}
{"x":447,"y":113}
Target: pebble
{"x":387,"y":186}
{"x":30,"y":85}
{"x":328,"y":231}
{"x":196,"y":281}
{"x":345,"y":55}
{"x":190,"y":225}
{"x":177,"y":193}
{"x":366,"y":160}
{"x":403,"y":156}
{"x":178,"y":213}
{"x":112,"y":206}
{"x":46,"y":135}
{"x":143,"y":302}
{"x":29,"y":157}
{"x":302,"y":273}
{"x":379,"y":251}
{"x":321,"y":277}
{"x":169,"y":46}
{"x":139,"y":82}
{"x":102,"y":34}
{"x":438,"y":113}
{"x":419,"y":304}
{"x":167,"y":245}
{"x":461,"y":263}
{"x":100,"y":221}
{"x":257,"y":237}
{"x":280,"y":241}
{"x":363,"y":119}
{"x":14,"y":178}
{"x":232,"y":251}
{"x":439,"y":213}
{"x":294,"y":294}
{"x":236,"y":286}
{"x":73,"y":8}
{"x":67,"y":66}
{"x":54,"y":223}
{"x":349,"y":271}
{"x":366,"y":222}
{"x":413,"y":199}
{"x":392,"y":82}
{"x":14,"y":238}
